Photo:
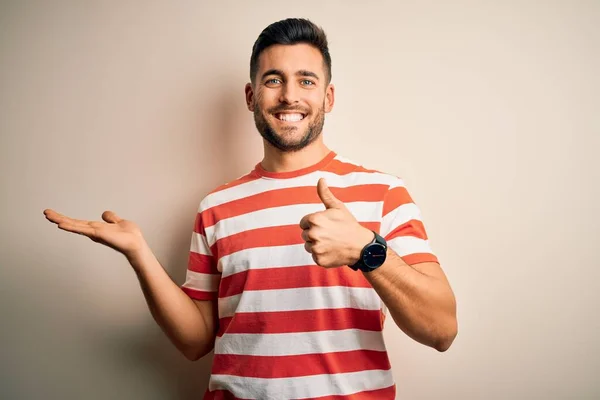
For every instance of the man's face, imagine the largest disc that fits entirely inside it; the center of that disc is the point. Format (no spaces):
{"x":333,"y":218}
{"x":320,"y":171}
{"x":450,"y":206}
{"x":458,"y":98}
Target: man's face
{"x":290,"y":96}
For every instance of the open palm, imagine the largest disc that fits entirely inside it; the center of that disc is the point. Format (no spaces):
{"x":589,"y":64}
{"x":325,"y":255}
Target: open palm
{"x":116,"y":233}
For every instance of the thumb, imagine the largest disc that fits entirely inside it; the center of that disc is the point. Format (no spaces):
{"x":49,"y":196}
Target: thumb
{"x":326,"y":196}
{"x":111,"y":217}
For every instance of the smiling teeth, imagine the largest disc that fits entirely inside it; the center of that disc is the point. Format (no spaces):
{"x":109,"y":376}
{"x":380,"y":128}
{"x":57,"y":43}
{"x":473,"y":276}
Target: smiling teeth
{"x":291,"y":117}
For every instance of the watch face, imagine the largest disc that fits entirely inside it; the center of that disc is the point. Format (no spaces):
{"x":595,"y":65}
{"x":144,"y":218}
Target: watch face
{"x":374,"y":255}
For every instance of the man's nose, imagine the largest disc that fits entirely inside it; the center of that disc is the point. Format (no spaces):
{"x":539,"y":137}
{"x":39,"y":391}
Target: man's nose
{"x":289,"y":93}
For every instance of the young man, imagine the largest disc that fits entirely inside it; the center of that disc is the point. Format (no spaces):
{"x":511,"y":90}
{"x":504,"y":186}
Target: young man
{"x":294,"y":265}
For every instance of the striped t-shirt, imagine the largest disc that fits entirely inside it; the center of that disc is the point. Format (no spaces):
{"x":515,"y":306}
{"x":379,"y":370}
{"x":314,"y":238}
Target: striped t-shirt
{"x":287,"y":328}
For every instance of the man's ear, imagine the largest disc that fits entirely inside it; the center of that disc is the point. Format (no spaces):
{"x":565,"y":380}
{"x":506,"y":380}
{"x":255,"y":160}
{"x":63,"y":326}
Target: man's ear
{"x":329,"y":97}
{"x":249,"y":97}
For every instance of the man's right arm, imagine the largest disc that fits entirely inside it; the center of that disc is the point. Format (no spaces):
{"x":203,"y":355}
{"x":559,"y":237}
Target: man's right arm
{"x":189,"y":324}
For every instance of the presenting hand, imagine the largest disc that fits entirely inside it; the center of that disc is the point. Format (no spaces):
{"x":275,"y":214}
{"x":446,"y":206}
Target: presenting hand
{"x":333,"y":237}
{"x":116,"y":233}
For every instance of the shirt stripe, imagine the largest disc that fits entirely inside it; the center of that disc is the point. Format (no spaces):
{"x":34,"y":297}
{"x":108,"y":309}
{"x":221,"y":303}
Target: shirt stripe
{"x":200,"y":245}
{"x":264,"y":257}
{"x":406,"y":245}
{"x":265,"y":185}
{"x":202,"y":282}
{"x":310,"y":298}
{"x":285,"y":344}
{"x":388,"y":393}
{"x":268,"y":236}
{"x":398,"y":217}
{"x":290,"y":278}
{"x":303,"y":387}
{"x":296,"y":365}
{"x":302,"y":321}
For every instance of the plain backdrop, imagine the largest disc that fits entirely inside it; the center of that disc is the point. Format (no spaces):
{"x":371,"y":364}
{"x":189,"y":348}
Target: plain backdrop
{"x":489,"y":110}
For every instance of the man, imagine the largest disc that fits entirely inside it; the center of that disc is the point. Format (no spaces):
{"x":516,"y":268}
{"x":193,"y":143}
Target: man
{"x":294,"y":265}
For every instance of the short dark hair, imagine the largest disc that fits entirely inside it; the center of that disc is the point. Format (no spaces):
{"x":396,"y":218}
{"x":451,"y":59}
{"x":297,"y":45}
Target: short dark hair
{"x":291,"y":31}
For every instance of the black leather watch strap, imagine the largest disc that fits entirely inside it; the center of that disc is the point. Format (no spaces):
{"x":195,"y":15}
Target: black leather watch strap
{"x":378,"y":244}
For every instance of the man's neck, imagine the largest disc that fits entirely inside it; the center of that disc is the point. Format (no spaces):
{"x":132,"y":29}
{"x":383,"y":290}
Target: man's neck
{"x":276,"y":160}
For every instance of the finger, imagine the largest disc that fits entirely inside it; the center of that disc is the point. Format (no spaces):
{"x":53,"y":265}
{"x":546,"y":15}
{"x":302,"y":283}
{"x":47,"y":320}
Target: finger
{"x":305,"y":222}
{"x":82,"y":229}
{"x":53,"y":216}
{"x":307,"y":236}
{"x":315,"y":259}
{"x":111,"y":217}
{"x":328,"y":199}
{"x":57,"y":218}
{"x":308,"y":246}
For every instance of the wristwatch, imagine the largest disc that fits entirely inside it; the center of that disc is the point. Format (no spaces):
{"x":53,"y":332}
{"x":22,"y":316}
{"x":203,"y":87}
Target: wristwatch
{"x":372,"y":255}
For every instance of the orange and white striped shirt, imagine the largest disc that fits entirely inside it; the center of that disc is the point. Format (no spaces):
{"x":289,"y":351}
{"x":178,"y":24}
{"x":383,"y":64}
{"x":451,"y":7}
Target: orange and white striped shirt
{"x":287,"y":328}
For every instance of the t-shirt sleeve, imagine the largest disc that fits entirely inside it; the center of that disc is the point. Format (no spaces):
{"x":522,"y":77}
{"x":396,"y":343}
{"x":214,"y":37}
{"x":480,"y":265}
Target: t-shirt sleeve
{"x":202,"y":276}
{"x":402,"y":226}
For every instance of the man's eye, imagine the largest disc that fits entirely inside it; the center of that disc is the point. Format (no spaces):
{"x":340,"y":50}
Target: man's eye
{"x":306,"y":82}
{"x":273,"y":81}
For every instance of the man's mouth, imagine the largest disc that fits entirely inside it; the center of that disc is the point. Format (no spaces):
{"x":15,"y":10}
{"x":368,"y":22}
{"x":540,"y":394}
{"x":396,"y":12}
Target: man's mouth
{"x":290,"y":117}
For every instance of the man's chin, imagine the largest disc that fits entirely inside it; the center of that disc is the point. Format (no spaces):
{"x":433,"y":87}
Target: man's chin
{"x":288,"y":132}
{"x":287,"y":144}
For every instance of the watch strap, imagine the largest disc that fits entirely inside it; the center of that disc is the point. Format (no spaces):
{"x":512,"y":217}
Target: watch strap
{"x":360,"y":265}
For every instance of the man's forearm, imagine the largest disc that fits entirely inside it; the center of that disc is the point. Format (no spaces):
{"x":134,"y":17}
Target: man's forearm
{"x":423,"y":306}
{"x":174,"y":311}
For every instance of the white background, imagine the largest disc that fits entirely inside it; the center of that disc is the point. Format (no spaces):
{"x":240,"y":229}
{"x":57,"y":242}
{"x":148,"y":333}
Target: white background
{"x":488,"y":110}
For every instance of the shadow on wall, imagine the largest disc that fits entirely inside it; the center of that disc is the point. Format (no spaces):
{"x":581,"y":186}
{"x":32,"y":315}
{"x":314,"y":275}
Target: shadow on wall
{"x":149,"y":347}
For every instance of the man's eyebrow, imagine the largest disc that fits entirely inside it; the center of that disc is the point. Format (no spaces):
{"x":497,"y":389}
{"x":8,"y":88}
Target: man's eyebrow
{"x":272,"y":72}
{"x":304,"y":72}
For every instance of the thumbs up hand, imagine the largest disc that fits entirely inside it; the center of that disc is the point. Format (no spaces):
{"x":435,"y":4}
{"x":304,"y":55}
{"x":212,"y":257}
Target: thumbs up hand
{"x":333,"y":237}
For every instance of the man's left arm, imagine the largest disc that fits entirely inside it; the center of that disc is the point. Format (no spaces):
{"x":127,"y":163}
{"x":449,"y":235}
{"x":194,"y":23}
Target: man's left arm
{"x":418,"y":296}
{"x":419,"y":299}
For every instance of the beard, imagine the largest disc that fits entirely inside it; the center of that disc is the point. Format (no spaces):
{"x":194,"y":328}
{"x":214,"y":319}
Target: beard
{"x":284,"y":142}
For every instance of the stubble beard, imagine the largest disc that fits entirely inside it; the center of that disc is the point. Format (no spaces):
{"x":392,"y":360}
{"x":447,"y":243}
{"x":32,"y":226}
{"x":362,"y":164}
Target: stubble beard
{"x":279,"y":141}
